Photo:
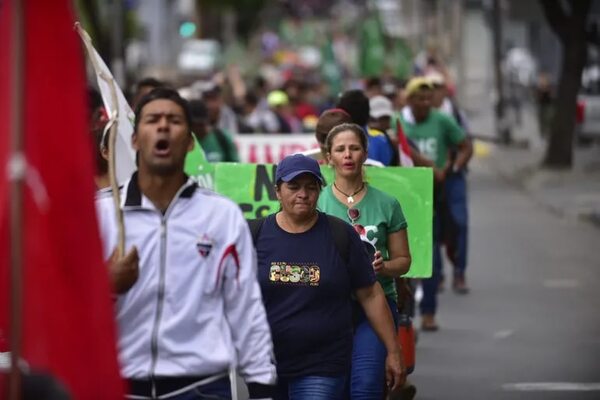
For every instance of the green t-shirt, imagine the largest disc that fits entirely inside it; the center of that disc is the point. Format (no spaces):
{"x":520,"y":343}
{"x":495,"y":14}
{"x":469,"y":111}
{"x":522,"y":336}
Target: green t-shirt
{"x":214,"y":150}
{"x":434,"y":136}
{"x":380,"y":215}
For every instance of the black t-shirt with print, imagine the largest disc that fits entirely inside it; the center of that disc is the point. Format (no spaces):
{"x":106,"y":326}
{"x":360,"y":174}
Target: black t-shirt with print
{"x":306,"y":289}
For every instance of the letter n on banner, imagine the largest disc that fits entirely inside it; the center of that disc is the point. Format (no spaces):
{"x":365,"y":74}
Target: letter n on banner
{"x":264,"y":181}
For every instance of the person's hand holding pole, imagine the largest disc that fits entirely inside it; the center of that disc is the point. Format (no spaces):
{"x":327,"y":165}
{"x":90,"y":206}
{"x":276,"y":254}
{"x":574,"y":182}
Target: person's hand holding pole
{"x":123,"y":271}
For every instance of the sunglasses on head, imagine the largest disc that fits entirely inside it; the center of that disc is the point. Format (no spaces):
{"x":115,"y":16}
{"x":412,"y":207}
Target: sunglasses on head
{"x":353,"y":214}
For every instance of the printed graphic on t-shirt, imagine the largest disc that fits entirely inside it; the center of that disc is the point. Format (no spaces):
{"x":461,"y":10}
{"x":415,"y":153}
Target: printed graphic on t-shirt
{"x":368,"y":237}
{"x":294,"y":274}
{"x":428,"y":146}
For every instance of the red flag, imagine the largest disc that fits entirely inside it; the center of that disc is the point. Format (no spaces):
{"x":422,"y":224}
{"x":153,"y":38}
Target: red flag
{"x":68,"y":323}
{"x":403,"y":147}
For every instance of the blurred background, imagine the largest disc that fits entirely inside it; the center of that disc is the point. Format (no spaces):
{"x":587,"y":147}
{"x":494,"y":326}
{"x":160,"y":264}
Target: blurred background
{"x":501,"y":56}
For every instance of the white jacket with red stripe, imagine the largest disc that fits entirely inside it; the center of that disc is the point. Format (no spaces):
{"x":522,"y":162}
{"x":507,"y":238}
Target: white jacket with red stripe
{"x":196,"y":308}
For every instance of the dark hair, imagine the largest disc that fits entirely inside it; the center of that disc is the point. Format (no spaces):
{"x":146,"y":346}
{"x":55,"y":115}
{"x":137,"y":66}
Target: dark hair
{"x":94,"y":99}
{"x":260,"y":82}
{"x":211,"y":91}
{"x":355,"y":103}
{"x":251,"y":98}
{"x":149,"y":81}
{"x":198,"y":110}
{"x":356,"y":129}
{"x":328,"y":120}
{"x":373,"y":82}
{"x":98,"y":124}
{"x":166,"y":94}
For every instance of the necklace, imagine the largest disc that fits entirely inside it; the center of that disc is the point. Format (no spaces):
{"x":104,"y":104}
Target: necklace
{"x":350,"y":197}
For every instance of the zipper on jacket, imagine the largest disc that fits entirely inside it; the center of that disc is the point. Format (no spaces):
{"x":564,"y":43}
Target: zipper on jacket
{"x":161,"y":289}
{"x":160,"y":301}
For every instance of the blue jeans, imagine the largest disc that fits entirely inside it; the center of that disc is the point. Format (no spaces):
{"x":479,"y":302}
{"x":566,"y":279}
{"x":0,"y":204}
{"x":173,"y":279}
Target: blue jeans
{"x":311,"y":388}
{"x":456,"y":198}
{"x":367,"y":377}
{"x":428,"y":303}
{"x":217,"y":390}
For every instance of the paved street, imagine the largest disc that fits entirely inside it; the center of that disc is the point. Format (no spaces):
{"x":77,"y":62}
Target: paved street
{"x":532,"y":315}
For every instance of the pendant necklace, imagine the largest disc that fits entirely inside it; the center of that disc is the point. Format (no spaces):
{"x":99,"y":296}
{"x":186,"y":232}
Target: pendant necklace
{"x":350,"y":197}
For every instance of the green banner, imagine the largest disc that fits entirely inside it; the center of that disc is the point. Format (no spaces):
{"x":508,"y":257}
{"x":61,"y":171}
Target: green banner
{"x":252,"y":186}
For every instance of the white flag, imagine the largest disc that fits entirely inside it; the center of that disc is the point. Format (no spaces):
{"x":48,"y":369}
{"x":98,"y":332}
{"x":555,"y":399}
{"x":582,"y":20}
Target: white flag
{"x":124,"y":153}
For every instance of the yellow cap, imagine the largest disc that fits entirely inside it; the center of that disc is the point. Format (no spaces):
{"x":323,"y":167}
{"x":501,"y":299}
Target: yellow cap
{"x":277,"y":98}
{"x":416,"y":84}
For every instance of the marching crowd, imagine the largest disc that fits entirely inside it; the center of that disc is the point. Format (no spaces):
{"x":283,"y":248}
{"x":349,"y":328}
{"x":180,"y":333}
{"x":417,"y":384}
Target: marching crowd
{"x":305,"y":303}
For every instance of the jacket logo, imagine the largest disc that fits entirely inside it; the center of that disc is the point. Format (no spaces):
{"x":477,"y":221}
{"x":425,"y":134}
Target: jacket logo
{"x":204,"y":245}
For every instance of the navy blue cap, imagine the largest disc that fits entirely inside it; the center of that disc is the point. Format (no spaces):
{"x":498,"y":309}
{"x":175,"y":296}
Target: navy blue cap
{"x":297,"y":164}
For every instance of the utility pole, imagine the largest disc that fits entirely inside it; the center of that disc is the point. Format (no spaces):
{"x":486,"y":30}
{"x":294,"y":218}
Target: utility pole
{"x":502,"y":124}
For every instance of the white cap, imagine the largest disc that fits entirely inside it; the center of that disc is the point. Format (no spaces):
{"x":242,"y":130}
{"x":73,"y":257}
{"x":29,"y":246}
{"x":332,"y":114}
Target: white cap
{"x":380,"y":106}
{"x":436,"y":78}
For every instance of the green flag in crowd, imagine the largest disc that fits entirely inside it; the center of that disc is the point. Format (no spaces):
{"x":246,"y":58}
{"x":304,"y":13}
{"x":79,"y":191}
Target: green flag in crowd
{"x":372,"y":48}
{"x":330,"y":68}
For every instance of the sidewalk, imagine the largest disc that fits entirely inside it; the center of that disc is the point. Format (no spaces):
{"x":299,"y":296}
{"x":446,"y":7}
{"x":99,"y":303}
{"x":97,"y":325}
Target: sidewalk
{"x":573,"y":194}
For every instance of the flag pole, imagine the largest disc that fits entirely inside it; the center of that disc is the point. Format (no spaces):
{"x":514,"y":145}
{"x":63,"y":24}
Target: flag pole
{"x":112,"y":173}
{"x":16,"y":168}
{"x":113,"y":123}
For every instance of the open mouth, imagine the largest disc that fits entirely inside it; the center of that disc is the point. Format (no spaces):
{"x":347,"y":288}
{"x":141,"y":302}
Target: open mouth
{"x":162,"y":147}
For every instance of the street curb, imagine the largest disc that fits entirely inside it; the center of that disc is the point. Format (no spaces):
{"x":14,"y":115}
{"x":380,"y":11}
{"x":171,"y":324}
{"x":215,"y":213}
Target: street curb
{"x":518,"y":177}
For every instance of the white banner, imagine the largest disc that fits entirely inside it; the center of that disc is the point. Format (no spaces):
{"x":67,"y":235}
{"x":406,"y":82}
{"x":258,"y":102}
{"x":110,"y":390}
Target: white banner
{"x":272,"y":148}
{"x":124,"y":153}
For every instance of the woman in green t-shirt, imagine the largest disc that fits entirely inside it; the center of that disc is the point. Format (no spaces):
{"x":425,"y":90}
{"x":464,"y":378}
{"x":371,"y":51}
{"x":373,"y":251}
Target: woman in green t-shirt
{"x":378,"y":219}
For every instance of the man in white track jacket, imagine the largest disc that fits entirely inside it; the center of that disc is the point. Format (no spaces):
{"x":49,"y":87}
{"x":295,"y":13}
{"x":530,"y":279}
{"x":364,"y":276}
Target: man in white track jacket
{"x":193,"y":308}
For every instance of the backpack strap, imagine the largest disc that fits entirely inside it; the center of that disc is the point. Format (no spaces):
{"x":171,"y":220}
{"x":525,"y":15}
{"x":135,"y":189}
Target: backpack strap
{"x":255,"y":226}
{"x":339,"y":230}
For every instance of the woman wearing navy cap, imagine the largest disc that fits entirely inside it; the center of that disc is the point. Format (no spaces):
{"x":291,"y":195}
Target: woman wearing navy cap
{"x":309,"y":266}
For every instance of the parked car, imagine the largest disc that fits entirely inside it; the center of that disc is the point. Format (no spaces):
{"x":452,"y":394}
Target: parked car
{"x":588,"y":105}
